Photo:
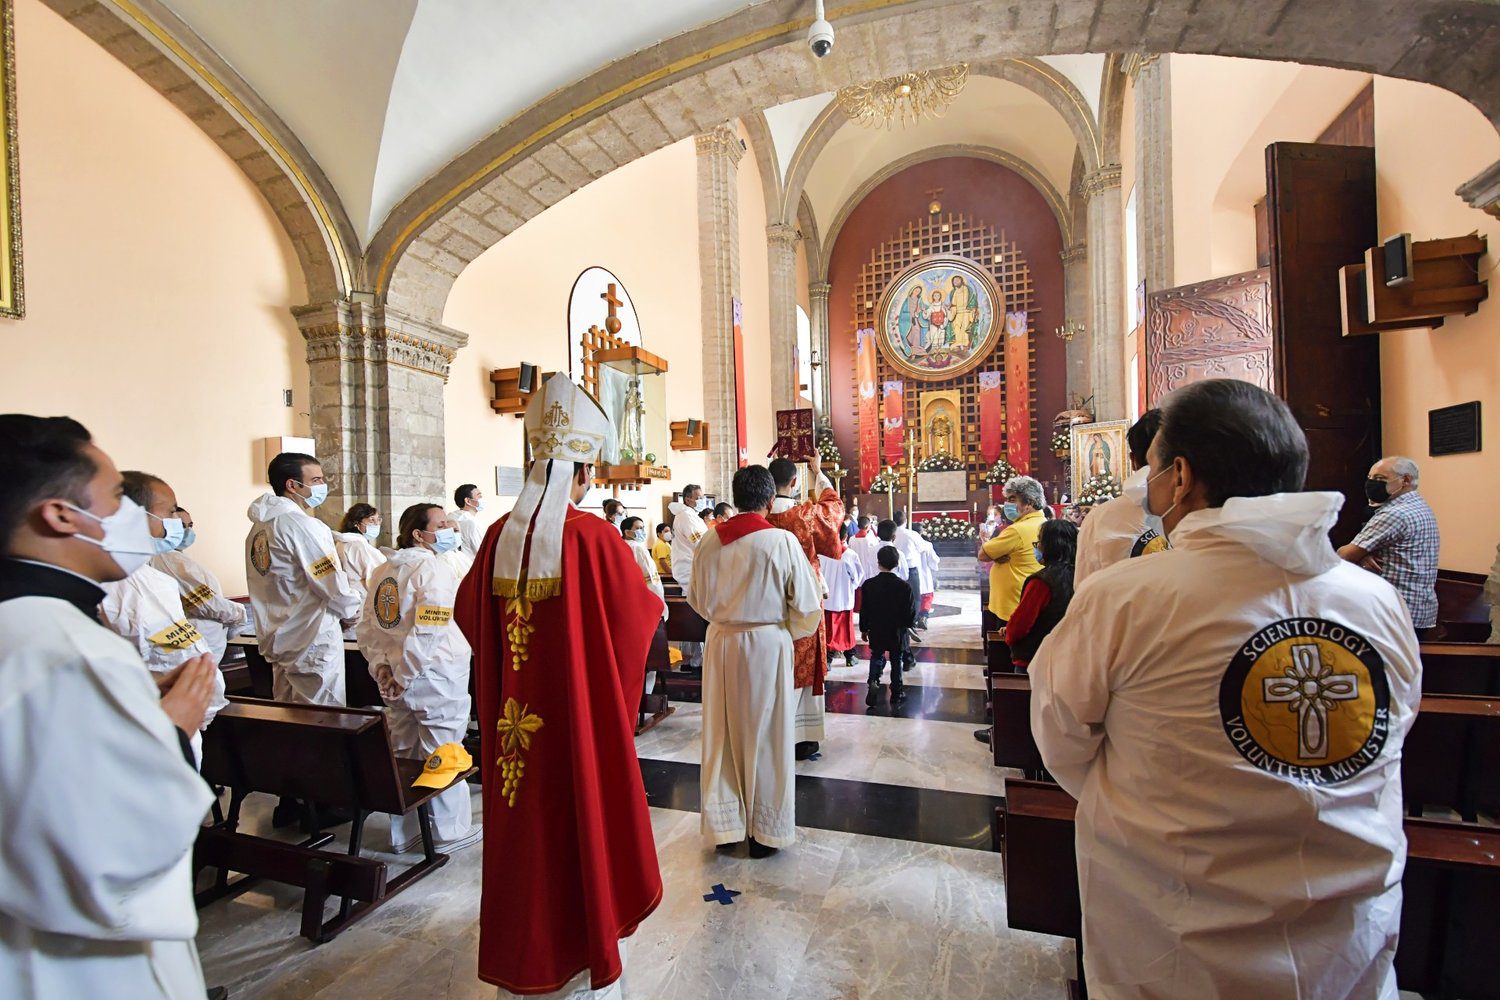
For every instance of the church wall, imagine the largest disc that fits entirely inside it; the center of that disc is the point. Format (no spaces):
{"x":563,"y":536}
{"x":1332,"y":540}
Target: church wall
{"x":1428,"y":142}
{"x":983,"y":191}
{"x":640,"y":222}
{"x":158,"y":286}
{"x":755,"y":295}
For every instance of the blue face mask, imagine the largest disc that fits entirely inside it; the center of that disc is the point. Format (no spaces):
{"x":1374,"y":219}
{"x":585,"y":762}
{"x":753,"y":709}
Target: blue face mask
{"x":175,"y":533}
{"x":1036,"y":551}
{"x":1011,"y":512}
{"x":188,"y":538}
{"x":444,"y":540}
{"x":319,"y":493}
{"x":372,"y":531}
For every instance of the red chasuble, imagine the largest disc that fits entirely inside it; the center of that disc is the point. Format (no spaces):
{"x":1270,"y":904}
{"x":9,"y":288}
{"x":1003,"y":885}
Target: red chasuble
{"x":569,"y":858}
{"x":816,"y":526}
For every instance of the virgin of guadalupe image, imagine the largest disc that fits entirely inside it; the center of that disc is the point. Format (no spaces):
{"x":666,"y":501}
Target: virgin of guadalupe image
{"x":1099,"y":457}
{"x":911,"y":323}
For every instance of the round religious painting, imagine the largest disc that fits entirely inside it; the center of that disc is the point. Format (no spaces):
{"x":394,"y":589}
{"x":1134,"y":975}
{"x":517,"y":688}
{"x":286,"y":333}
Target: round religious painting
{"x":939,"y":318}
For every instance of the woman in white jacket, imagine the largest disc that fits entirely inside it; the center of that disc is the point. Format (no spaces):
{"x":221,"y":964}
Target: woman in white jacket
{"x":420,"y":660}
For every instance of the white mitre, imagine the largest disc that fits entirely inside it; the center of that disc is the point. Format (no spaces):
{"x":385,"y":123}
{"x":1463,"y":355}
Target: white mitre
{"x":563,"y":425}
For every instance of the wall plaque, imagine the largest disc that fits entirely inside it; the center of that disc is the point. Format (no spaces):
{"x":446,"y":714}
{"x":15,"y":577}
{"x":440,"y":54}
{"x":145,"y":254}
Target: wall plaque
{"x":1453,"y":430}
{"x":943,"y":487}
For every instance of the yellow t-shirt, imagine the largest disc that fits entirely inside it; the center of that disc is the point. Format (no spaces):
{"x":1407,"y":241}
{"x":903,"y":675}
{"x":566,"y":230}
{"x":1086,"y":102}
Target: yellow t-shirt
{"x":662,"y":552}
{"x":1017,"y":541}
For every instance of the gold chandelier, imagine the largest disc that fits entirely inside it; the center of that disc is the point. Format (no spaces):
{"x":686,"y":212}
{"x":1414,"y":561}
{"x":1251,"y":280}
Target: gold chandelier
{"x":905,"y":99}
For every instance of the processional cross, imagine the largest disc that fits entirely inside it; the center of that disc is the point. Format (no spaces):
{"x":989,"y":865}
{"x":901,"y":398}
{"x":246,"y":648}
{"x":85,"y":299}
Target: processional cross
{"x":1312,"y":691}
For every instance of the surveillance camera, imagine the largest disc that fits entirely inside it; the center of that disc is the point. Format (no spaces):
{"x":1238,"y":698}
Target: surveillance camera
{"x":820,"y":38}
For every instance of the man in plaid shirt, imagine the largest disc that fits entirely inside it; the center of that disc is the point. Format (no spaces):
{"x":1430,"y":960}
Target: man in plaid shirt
{"x":1400,"y":541}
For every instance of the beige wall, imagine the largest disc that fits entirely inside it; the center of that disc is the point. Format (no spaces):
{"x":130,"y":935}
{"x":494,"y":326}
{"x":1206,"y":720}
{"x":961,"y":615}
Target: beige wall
{"x":1427,"y":142}
{"x":641,"y":223}
{"x":755,"y":293}
{"x":158,"y":285}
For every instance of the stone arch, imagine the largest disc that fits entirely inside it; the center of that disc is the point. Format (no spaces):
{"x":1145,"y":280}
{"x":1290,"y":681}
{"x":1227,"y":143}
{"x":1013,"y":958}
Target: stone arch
{"x":1030,"y":174}
{"x":763,"y":148}
{"x":1111,"y":108}
{"x":812,"y":244}
{"x":756,"y":59}
{"x":165,"y":53}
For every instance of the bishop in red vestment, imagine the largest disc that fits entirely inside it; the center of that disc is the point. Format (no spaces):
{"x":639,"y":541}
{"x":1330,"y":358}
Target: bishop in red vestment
{"x":560,"y":631}
{"x":816,"y":525}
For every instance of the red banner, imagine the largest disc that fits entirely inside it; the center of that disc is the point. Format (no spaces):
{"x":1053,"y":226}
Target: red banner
{"x":991,"y":416}
{"x":869,"y":408}
{"x":895,"y":423}
{"x":742,"y":427}
{"x":1018,"y":394}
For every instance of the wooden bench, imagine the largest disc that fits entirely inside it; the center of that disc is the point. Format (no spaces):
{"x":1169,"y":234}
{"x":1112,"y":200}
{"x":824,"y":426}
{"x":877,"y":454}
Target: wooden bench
{"x":359,"y":687}
{"x":1451,"y":756}
{"x":1460,"y":668}
{"x":330,"y":757}
{"x":655,"y":705}
{"x":1010,"y":738}
{"x":685,"y":625}
{"x":1449,"y":922}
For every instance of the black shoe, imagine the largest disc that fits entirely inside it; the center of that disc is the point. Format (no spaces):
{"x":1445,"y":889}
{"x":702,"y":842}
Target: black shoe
{"x":850,"y":661}
{"x":874,"y":694}
{"x":983,"y":736}
{"x":218,"y":993}
{"x":759,"y":850}
{"x":898,"y":694}
{"x":729,"y":848}
{"x":804,"y":750}
{"x":288,"y":812}
{"x":330,"y":816}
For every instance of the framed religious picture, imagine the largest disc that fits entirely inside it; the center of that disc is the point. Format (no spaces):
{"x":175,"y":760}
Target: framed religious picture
{"x":1099,"y":454}
{"x":939,"y":318}
{"x":12,"y":301}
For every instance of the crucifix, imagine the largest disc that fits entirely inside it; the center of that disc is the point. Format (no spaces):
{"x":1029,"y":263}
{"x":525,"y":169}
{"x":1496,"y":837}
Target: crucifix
{"x":612,"y":322}
{"x":933,"y":205}
{"x":1312,"y":691}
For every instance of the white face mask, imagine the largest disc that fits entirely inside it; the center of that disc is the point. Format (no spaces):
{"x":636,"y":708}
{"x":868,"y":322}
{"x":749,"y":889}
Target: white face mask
{"x":1154,"y":521}
{"x":318,"y":492}
{"x":127,"y":535}
{"x":444,"y":540}
{"x":372,"y":531}
{"x":479,"y":505}
{"x":175,"y":533}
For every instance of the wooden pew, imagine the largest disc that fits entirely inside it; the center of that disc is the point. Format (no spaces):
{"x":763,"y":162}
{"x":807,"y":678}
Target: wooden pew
{"x":332,"y":757}
{"x":359,"y":687}
{"x":1448,"y":921}
{"x":685,"y":625}
{"x":1451,"y":754}
{"x":1460,"y":668}
{"x":654,"y":705}
{"x":1010,"y":739}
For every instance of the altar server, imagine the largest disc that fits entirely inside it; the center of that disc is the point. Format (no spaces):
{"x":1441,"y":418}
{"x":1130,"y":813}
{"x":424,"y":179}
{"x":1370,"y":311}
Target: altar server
{"x":927,"y":567}
{"x":420,"y":661}
{"x":755,"y":587}
{"x":1116,"y":529}
{"x":215,"y":616}
{"x":1232,"y":728}
{"x":145,"y":608}
{"x":843,"y":577}
{"x":302,"y":597}
{"x":101,"y":805}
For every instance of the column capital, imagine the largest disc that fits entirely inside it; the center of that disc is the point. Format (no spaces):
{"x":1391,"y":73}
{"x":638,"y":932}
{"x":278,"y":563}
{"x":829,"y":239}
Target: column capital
{"x":350,"y":330}
{"x":818,"y":291}
{"x":1482,"y":191}
{"x":784,"y":235}
{"x":1075,"y":253}
{"x":721,"y":141}
{"x":1098,"y":181}
{"x":1135,"y":62}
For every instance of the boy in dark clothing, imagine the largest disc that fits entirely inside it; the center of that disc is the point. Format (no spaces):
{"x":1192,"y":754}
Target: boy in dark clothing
{"x":887,"y":609}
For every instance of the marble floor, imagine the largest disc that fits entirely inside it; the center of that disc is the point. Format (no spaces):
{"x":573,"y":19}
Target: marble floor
{"x":843,"y":914}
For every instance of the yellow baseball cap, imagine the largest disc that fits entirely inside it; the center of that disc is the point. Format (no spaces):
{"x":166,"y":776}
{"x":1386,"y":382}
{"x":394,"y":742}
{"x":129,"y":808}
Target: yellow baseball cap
{"x":446,"y":761}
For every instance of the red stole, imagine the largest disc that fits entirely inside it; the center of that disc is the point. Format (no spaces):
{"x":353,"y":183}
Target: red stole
{"x":569,"y":859}
{"x":739,"y":526}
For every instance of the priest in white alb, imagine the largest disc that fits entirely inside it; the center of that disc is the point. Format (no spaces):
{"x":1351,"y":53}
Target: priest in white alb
{"x":754,"y":585}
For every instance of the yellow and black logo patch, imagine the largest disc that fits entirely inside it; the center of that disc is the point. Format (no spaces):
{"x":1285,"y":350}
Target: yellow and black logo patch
{"x":1150,"y":541}
{"x":320,"y":568}
{"x":198,"y":597}
{"x":1307,"y":699}
{"x":388,"y":603}
{"x":428,"y":614}
{"x":176,"y":636}
{"x":260,"y":551}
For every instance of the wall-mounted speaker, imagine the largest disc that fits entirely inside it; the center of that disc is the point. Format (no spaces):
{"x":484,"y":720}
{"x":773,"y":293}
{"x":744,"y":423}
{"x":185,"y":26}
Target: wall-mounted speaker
{"x":1396,"y":255}
{"x":528,"y":377}
{"x":692,"y":427}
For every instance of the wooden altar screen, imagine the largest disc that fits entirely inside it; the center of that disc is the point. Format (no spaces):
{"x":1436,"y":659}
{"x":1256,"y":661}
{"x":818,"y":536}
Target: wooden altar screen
{"x":948,"y":233}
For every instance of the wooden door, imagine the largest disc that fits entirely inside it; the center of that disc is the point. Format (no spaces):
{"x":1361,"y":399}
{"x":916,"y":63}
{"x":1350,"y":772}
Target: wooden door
{"x":1212,"y":329}
{"x":1321,"y":207}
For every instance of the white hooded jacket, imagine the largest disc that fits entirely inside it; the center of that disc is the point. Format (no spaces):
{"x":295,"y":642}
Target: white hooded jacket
{"x":687,"y":530}
{"x":406,"y":631}
{"x":1112,"y":529}
{"x":213,"y":614}
{"x":1230,"y":715}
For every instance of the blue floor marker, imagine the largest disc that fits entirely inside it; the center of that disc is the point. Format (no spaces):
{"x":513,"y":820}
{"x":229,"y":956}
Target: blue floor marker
{"x":721,"y":895}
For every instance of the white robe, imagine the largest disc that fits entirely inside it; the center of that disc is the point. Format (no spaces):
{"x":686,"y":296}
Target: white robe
{"x":647,"y":566}
{"x":869,"y":553}
{"x":842,"y":576}
{"x":300,"y":592}
{"x":1224,"y":848}
{"x":214,"y":615}
{"x":927,"y":566}
{"x":758,"y":594}
{"x":406,"y":633}
{"x":99,"y":819}
{"x":145,"y":609}
{"x":459,"y":561}
{"x":687,"y":530}
{"x":1111,"y":529}
{"x":470,"y":530}
{"x":360,"y":558}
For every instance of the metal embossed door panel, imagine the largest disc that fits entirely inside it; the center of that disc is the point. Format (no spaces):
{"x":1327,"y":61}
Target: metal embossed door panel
{"x":1212,"y":329}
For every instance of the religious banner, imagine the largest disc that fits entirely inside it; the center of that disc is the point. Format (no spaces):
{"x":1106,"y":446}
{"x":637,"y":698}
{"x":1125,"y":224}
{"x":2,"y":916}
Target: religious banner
{"x":895,"y":422}
{"x":742,"y":427}
{"x":869,"y":412}
{"x":795,"y":439}
{"x":1018,"y":398}
{"x":991,"y":416}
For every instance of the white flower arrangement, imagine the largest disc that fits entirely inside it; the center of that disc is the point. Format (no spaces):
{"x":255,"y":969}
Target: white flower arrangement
{"x":941,"y":462}
{"x":1000,"y":472}
{"x":1062,"y":443}
{"x":885,"y":482}
{"x":1096,"y":490}
{"x":944,"y":527}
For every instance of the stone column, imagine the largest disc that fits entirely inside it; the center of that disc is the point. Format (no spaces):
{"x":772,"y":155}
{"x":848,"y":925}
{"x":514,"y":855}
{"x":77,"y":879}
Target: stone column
{"x":377,"y":379}
{"x":1153,"y":186}
{"x":1076,"y":308}
{"x":1106,"y":265}
{"x":781,"y":242}
{"x":817,"y":294}
{"x":719,"y":153}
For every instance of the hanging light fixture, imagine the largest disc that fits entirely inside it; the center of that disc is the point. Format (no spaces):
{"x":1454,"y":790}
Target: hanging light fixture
{"x":903,"y":100}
